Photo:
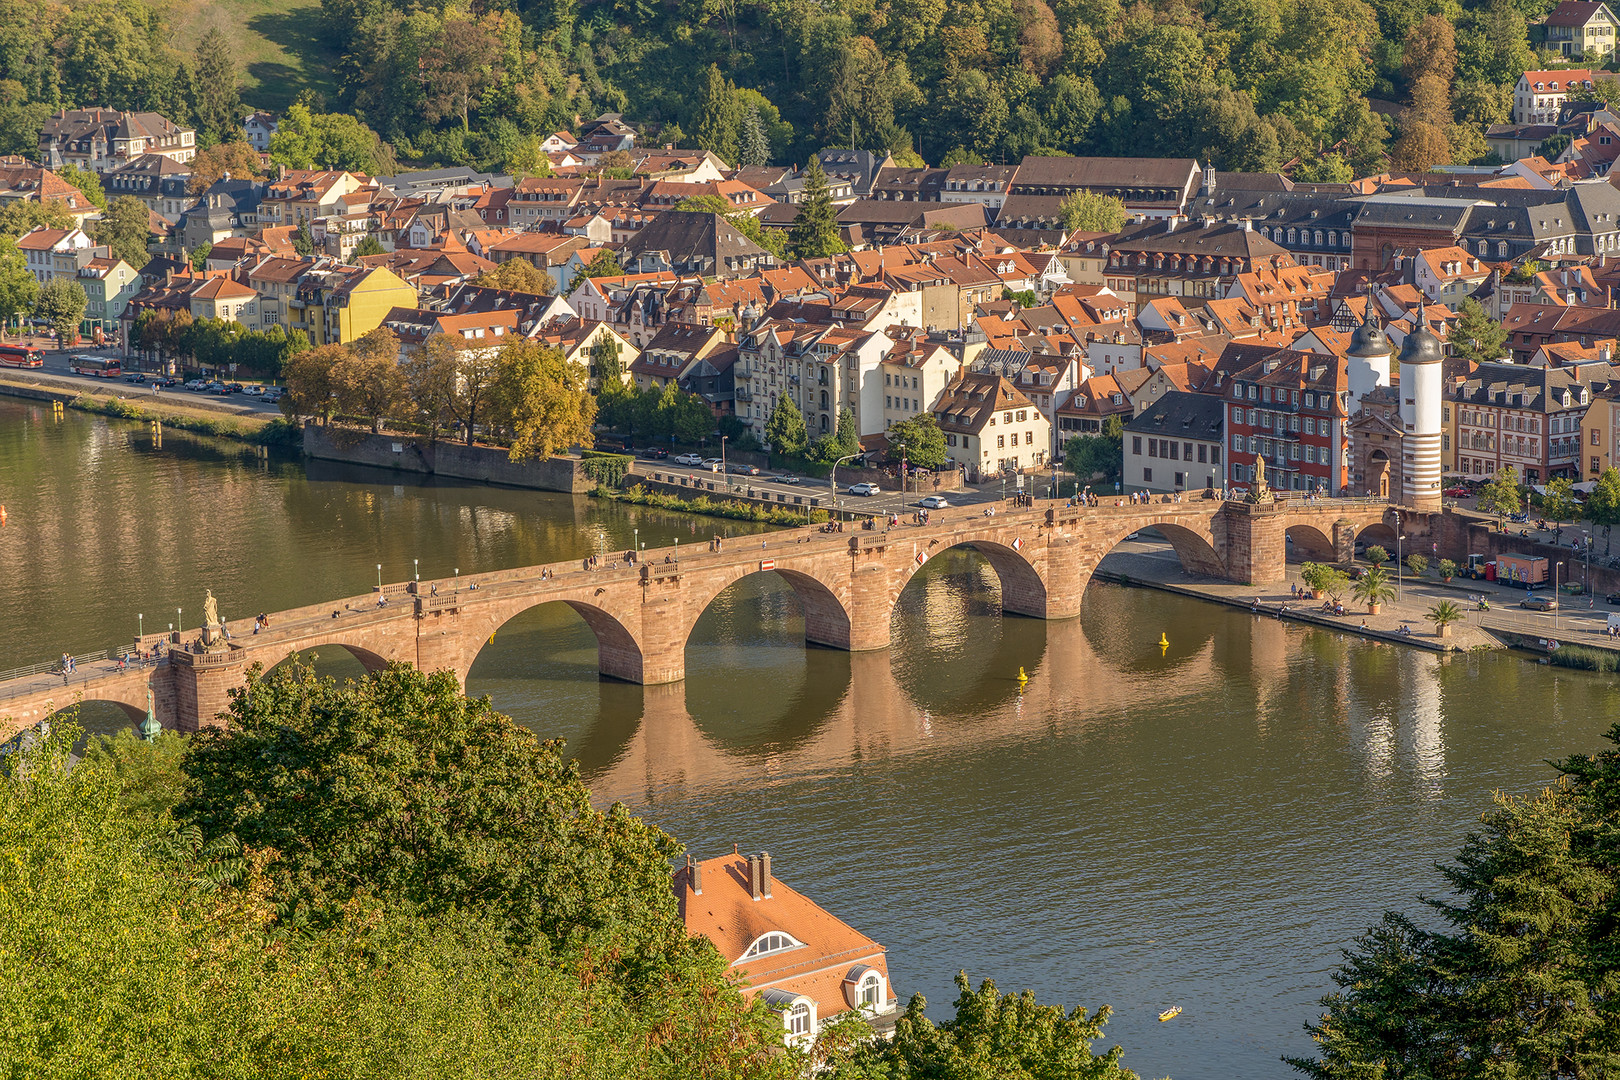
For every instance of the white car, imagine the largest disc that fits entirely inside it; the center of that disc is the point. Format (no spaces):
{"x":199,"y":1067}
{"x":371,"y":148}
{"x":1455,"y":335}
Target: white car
{"x":786,"y":478}
{"x":253,"y":391}
{"x":933,"y":502}
{"x":687,"y":459}
{"x":712,"y":464}
{"x":862,"y":489}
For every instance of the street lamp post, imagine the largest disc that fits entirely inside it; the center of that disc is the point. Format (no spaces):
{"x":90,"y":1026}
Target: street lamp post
{"x":635,"y":539}
{"x":723,"y":470}
{"x":140,"y":626}
{"x":180,"y":624}
{"x":832,"y":477}
{"x":379,"y":577}
{"x":416,"y":570}
{"x":1557,"y":566}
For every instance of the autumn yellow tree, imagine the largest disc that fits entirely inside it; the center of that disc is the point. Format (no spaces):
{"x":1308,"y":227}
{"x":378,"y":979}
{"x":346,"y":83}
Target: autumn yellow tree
{"x":542,"y":400}
{"x":311,"y":388}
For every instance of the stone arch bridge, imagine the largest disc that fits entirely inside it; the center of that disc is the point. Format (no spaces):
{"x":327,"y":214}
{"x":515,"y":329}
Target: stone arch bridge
{"x":642,"y":612}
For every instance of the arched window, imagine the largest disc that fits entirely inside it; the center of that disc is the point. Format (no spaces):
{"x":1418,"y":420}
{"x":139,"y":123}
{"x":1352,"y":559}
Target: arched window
{"x":871,"y":989}
{"x":1333,"y":238}
{"x":1318,"y":237}
{"x":824,"y":399}
{"x":798,"y":1022}
{"x":771,"y":943}
{"x":1501,"y":249}
{"x":1483,"y":247}
{"x":1291,"y":235}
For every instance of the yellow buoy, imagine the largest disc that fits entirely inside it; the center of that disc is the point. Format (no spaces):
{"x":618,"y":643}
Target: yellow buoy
{"x":1164,"y":642}
{"x":1022,"y":678}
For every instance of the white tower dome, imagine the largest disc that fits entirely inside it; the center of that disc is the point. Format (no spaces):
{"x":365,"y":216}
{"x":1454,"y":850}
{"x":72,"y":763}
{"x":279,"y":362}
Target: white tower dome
{"x":1368,"y":357}
{"x":1422,"y":387}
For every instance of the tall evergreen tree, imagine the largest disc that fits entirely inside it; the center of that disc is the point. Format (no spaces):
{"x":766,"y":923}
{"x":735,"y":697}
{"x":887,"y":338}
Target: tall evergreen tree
{"x":1477,"y":336}
{"x":815,"y":230}
{"x":754,"y":146}
{"x":218,"y":98}
{"x":785,"y":430}
{"x":715,"y":129}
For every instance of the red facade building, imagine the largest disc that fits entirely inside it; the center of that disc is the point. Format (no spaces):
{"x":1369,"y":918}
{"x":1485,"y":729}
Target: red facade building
{"x":1291,"y":409}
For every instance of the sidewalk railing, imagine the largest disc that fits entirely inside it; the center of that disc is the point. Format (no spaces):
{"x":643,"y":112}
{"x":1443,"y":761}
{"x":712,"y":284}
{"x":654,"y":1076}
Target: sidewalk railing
{"x":51,"y":667}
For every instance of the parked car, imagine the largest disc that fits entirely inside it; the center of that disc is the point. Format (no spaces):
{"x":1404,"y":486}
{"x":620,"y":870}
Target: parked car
{"x":195,"y":384}
{"x":688,"y":459}
{"x":165,"y":381}
{"x":745,"y":470}
{"x":655,"y":453}
{"x":1540,"y":603}
{"x":786,"y":478}
{"x":253,"y":391}
{"x":133,"y":377}
{"x":231,"y":388}
{"x":712,"y":464}
{"x":862,"y":489}
{"x":273,"y":395}
{"x":933,"y":502}
{"x":1456,"y":493}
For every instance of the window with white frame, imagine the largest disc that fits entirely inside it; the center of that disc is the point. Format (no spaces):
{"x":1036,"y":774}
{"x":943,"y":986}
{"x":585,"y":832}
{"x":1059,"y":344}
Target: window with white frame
{"x":798,"y":1022}
{"x":774,"y":942}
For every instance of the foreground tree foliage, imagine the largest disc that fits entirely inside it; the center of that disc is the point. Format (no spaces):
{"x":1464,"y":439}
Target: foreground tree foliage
{"x":1520,"y":978}
{"x":993,"y":1036}
{"x":130,"y":949}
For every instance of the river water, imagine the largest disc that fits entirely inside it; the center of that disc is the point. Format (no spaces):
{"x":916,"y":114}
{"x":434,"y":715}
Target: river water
{"x":1204,"y":825}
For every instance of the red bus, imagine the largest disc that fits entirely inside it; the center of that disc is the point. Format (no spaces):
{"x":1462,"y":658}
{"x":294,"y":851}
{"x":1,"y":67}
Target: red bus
{"x":21,"y":356}
{"x":95,"y":365}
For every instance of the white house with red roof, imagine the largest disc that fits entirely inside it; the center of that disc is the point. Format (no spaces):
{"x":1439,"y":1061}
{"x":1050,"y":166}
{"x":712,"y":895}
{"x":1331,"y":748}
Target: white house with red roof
{"x":1540,"y":94}
{"x":41,"y":245}
{"x":809,"y":965}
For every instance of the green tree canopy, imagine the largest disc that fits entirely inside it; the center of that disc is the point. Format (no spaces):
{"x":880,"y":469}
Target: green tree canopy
{"x":815,"y":232}
{"x":446,"y":805}
{"x":1082,"y":211}
{"x":1476,"y":336}
{"x":542,"y":399}
{"x":62,"y":302}
{"x":18,"y":288}
{"x":1502,"y":495}
{"x":1602,"y":506}
{"x":125,"y":228}
{"x":1094,"y":457}
{"x":919,"y":440}
{"x":784,"y":431}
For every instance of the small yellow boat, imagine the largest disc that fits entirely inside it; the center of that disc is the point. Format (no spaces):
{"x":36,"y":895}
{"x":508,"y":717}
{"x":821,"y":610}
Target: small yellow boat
{"x":1170,"y":1014}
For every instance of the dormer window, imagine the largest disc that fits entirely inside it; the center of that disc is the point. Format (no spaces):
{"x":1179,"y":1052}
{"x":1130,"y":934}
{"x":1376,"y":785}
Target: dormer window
{"x":773,"y":942}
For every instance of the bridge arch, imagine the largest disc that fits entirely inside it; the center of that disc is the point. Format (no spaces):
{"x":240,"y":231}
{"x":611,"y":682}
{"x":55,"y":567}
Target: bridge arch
{"x":826,"y":613}
{"x":619,"y":655}
{"x":1310,"y":543}
{"x":1023,"y":588}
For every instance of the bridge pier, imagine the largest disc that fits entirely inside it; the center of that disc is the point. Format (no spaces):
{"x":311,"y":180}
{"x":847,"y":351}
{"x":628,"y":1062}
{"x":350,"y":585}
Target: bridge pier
{"x":1256,"y":543}
{"x":202,"y":685}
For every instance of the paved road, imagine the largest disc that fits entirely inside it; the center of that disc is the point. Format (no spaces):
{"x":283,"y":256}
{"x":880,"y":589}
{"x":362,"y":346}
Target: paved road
{"x":57,"y":367}
{"x":885,"y":502}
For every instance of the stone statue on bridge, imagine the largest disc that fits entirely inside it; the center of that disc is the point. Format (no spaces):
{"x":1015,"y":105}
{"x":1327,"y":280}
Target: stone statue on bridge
{"x":1260,"y":491}
{"x":211,"y":624}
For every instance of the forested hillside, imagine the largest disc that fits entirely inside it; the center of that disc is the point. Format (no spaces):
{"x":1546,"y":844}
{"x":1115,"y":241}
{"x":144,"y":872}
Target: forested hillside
{"x":1250,"y":84}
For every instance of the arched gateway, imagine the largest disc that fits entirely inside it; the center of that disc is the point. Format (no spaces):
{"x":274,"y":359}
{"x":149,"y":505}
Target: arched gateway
{"x":642,"y":612}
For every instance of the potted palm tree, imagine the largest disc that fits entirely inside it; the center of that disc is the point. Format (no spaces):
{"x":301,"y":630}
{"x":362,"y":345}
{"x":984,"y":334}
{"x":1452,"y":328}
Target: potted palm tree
{"x":1373,"y":589}
{"x":1443,"y":615}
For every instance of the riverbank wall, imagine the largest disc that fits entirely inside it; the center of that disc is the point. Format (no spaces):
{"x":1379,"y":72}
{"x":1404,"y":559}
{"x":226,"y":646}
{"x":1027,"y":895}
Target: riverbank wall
{"x":456,"y":461}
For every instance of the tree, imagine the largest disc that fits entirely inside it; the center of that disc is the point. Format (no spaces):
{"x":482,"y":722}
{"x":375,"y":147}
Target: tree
{"x":1420,"y":147}
{"x":1443,"y":614}
{"x":311,"y":382}
{"x":1430,"y":49}
{"x":542,"y":399}
{"x":369,"y":245}
{"x":126,"y":228}
{"x":24,"y":215}
{"x":1501,"y":494}
{"x":1476,"y":336}
{"x":1373,"y":588}
{"x":1516,"y":974}
{"x":815,"y":230}
{"x":199,"y":256}
{"x":445,"y":804}
{"x":849,"y":439}
{"x":1377,"y":555}
{"x":87,"y":183}
{"x":518,"y":275}
{"x":302,"y":242}
{"x":308,"y":140}
{"x":218,"y":98}
{"x":1559,"y":502}
{"x":605,"y":367}
{"x":18,"y":288}
{"x":476,"y":372}
{"x":919,"y":441}
{"x":1323,"y":579}
{"x":430,"y":381}
{"x":236,"y":158}
{"x":754,"y":146}
{"x":1602,"y":506}
{"x":1082,"y":211}
{"x":61,"y":303}
{"x":1090,"y":457}
{"x":369,"y":381}
{"x":464,"y":63}
{"x":714,"y":128}
{"x":603,"y":264}
{"x":784,"y":431}
{"x":1553,"y":147}
{"x":1418,"y":564}
{"x":994,"y":1036}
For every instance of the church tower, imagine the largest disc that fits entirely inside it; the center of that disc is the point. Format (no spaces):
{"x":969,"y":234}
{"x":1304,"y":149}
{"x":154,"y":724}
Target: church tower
{"x":1421,"y":390}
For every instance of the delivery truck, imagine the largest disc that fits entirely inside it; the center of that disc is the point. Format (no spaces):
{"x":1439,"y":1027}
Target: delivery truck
{"x":1526,"y":571}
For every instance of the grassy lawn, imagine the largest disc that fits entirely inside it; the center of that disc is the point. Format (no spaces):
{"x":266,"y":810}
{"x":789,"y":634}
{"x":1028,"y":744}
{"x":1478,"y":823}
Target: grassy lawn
{"x":280,"y":46}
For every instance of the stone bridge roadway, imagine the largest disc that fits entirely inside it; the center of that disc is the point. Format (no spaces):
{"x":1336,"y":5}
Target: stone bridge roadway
{"x":642,"y":614}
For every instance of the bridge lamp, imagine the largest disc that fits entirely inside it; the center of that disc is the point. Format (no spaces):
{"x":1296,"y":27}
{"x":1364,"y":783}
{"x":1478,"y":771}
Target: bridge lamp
{"x":635,"y":539}
{"x":416,"y":569}
{"x":178,"y":621}
{"x":379,"y":577}
{"x":140,"y":625}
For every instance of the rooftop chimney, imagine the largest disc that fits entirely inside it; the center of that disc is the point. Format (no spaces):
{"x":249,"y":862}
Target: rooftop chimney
{"x":765,"y":874}
{"x":754,"y":882}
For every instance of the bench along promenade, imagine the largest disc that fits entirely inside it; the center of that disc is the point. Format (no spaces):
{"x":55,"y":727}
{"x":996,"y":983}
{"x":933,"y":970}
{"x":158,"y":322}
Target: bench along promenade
{"x":642,"y":607}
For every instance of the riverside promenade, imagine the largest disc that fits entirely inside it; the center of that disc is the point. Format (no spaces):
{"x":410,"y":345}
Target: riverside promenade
{"x":1153,"y":565}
